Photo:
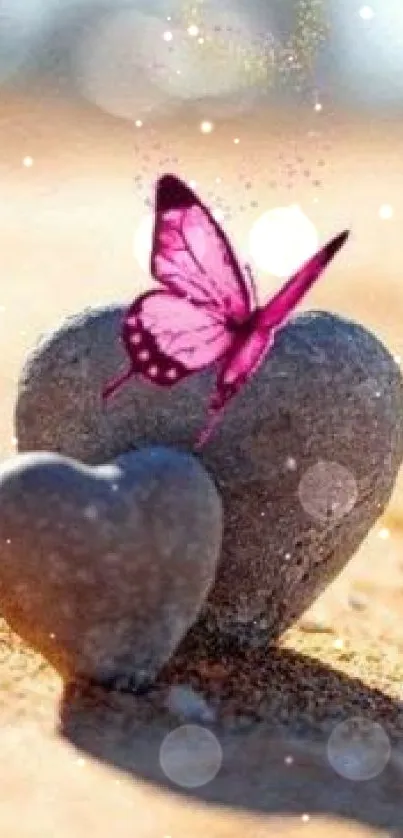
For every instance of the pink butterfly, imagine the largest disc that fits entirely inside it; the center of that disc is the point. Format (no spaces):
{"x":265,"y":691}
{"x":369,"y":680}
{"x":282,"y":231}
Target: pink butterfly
{"x":206,"y":310}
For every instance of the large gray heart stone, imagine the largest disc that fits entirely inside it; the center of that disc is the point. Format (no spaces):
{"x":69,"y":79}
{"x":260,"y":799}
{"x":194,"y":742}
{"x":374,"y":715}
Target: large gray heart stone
{"x":306,"y":456}
{"x":103,"y":569}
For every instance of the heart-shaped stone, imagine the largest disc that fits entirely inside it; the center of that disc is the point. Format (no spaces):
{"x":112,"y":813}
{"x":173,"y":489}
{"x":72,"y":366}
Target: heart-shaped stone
{"x":103,"y":569}
{"x":305,"y":458}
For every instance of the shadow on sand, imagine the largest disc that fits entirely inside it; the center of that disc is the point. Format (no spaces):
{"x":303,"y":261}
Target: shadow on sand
{"x":272,"y":705}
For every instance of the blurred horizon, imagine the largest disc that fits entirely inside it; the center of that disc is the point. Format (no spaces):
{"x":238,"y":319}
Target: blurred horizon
{"x":270,"y":52}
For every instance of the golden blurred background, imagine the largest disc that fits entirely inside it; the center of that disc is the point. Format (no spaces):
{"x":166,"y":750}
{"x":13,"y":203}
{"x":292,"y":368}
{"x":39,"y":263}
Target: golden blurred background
{"x":287,"y":117}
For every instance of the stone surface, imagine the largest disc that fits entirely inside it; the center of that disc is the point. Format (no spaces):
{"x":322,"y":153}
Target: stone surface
{"x":305,"y":458}
{"x":104,"y":568}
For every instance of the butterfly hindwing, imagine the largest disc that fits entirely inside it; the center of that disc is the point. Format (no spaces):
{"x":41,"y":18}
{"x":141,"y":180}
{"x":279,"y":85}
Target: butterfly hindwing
{"x":167,"y":337}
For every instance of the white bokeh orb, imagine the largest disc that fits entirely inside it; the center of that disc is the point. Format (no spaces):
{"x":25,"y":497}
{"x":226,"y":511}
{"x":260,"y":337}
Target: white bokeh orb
{"x":206,"y":127}
{"x":366,"y":13}
{"x":385,"y":212}
{"x":191,"y":756}
{"x":359,"y":749}
{"x":281,"y":240}
{"x":327,"y":491}
{"x":114,"y":65}
{"x":131,"y":64}
{"x":143,"y":242}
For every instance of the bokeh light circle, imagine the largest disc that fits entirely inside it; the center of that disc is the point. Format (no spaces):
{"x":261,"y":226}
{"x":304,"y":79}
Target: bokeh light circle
{"x":358,"y":749}
{"x":131,"y":64}
{"x":281,"y":240}
{"x":327,"y":491}
{"x":191,"y":756}
{"x":116,"y":65}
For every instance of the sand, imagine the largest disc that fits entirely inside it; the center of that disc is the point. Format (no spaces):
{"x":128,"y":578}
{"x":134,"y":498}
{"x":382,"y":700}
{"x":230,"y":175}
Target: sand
{"x":66,"y":239}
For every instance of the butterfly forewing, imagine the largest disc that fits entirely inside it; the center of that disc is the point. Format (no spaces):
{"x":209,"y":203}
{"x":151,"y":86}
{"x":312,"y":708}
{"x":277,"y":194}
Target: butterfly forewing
{"x":282,"y":305}
{"x":247,"y":355}
{"x":191,"y":254}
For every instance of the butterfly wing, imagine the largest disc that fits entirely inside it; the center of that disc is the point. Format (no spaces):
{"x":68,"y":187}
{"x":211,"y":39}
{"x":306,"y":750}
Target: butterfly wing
{"x":191,"y":255}
{"x":248,"y":353}
{"x":282,"y":305}
{"x":172,"y":333}
{"x":167,"y":338}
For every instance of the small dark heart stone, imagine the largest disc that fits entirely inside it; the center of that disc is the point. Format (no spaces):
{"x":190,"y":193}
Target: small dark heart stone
{"x":103,"y":569}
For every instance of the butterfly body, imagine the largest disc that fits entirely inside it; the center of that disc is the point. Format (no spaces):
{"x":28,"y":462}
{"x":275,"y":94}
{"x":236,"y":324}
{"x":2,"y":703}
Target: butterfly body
{"x":206,"y":311}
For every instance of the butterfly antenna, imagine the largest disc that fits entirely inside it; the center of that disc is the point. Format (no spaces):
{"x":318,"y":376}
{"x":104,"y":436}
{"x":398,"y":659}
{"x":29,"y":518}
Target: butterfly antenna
{"x":116,"y":383}
{"x":252,"y":284}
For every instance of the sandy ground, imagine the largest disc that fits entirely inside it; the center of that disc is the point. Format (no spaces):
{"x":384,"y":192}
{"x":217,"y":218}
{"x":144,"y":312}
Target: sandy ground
{"x":66,"y":239}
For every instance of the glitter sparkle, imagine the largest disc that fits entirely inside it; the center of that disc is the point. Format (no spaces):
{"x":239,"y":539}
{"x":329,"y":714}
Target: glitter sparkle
{"x":366,"y":13}
{"x":206,"y":127}
{"x":385,"y":212}
{"x":262,"y":59}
